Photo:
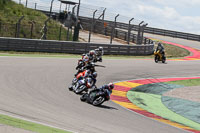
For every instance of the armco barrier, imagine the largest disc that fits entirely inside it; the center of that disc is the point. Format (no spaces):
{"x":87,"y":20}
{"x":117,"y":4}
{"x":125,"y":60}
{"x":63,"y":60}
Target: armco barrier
{"x":33,"y":45}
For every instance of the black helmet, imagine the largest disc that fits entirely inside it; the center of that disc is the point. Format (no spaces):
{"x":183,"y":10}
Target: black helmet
{"x":159,"y":44}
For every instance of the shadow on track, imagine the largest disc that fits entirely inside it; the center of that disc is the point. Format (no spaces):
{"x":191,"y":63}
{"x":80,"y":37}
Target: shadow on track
{"x":106,"y":107}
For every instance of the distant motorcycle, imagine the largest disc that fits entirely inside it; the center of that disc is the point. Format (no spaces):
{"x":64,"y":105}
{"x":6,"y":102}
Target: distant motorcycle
{"x":94,"y":98}
{"x":159,"y":56}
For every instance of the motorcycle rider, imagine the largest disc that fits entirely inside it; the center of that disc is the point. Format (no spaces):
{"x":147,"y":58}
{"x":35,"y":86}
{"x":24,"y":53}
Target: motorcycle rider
{"x":161,"y":49}
{"x":91,"y":55}
{"x":105,"y":90}
{"x":91,"y":80}
{"x":79,"y":76}
{"x":98,"y":54}
{"x":81,"y":64}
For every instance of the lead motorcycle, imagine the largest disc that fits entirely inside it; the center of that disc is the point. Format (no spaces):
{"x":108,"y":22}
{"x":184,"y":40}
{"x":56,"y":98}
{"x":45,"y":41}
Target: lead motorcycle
{"x":94,"y":97}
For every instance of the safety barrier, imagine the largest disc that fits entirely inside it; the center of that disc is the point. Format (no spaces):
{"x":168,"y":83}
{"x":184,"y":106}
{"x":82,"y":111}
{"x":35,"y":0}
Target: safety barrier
{"x":49,"y":46}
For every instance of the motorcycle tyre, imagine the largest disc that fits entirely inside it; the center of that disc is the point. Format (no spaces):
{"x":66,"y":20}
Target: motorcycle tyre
{"x":83,"y":98}
{"x":97,"y":103}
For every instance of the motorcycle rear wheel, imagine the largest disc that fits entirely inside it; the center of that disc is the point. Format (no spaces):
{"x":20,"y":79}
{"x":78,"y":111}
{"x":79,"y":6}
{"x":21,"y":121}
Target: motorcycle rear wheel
{"x":98,"y":101}
{"x":163,"y":59}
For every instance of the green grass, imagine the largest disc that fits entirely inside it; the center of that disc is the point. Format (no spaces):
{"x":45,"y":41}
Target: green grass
{"x":152,"y":103}
{"x":175,"y":51}
{"x":188,"y":82}
{"x":10,"y":12}
{"x":14,"y":122}
{"x":172,"y":51}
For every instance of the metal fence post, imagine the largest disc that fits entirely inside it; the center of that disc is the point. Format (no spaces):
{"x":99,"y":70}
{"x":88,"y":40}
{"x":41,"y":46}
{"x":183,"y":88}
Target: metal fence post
{"x":129,"y":30}
{"x":91,"y":29}
{"x":139,"y":33}
{"x":0,"y":26}
{"x":104,"y":26}
{"x":113,"y":29}
{"x":68,"y":33}
{"x":51,"y":8}
{"x":15,"y":30}
{"x":32,"y":23}
{"x":142,"y":32}
{"x":60,"y":7}
{"x":60,"y":32}
{"x":103,"y":15}
{"x":35,"y":6}
{"x":18,"y":26}
{"x":79,"y":2}
{"x":26,"y":3}
{"x":73,"y":12}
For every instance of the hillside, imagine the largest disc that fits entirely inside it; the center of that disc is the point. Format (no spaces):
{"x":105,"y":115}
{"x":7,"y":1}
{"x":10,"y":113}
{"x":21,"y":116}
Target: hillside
{"x":11,"y":12}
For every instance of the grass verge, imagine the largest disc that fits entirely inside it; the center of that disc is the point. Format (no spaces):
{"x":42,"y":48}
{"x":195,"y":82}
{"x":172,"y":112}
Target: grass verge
{"x":18,"y":123}
{"x":188,"y":82}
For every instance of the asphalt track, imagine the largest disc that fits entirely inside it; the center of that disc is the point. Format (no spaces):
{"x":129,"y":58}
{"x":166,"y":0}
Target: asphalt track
{"x":36,"y":89}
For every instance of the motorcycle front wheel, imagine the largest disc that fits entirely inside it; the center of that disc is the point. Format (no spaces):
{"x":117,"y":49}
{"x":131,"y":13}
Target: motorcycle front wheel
{"x":80,"y":89}
{"x":156,"y":58}
{"x":84,"y":97}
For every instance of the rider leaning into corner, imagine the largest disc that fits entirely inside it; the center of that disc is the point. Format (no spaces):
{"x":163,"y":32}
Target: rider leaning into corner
{"x":92,"y":79}
{"x":161,"y":49}
{"x":94,"y":55}
{"x":105,"y":90}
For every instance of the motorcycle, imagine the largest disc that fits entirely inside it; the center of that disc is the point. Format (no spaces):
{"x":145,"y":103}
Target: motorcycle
{"x":93,"y":98}
{"x":83,"y":85}
{"x":159,"y":56}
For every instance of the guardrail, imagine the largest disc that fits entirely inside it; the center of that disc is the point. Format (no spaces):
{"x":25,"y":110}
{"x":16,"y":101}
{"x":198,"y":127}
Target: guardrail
{"x":49,"y":46}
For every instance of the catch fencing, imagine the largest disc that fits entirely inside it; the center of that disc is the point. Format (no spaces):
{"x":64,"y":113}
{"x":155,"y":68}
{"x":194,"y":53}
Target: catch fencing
{"x":33,"y":30}
{"x":86,"y":11}
{"x":33,"y":45}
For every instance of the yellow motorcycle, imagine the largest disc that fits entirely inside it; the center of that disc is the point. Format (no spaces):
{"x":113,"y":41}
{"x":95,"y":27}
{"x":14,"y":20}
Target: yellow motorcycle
{"x":159,"y":56}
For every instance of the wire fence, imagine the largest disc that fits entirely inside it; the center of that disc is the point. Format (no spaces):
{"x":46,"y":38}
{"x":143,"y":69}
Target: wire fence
{"x":34,"y":31}
{"x":95,"y":21}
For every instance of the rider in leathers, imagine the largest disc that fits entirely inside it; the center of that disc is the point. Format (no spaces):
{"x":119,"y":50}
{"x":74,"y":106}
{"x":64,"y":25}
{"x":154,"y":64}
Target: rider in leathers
{"x":161,"y":48}
{"x":98,"y":54}
{"x":105,"y":90}
{"x":79,"y":76}
{"x":91,"y":80}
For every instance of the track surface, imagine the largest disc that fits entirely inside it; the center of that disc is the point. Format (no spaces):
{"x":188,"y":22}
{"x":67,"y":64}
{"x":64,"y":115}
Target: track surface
{"x":36,"y":89}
